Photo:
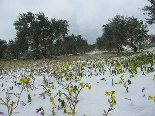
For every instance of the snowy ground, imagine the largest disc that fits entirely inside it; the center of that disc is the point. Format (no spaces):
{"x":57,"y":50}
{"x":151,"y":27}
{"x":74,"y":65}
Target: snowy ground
{"x":92,"y":101}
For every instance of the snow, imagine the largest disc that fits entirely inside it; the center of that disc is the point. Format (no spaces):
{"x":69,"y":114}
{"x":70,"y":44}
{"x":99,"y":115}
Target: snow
{"x":95,"y":52}
{"x":91,"y":102}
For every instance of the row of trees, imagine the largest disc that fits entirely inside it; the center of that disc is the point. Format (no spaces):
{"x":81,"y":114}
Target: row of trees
{"x":38,"y":37}
{"x":69,"y":45}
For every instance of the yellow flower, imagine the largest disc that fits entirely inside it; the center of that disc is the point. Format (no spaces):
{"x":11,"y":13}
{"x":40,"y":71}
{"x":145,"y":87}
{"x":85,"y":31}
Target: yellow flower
{"x":122,"y":76}
{"x":46,"y":85}
{"x":66,"y":65}
{"x":21,"y":80}
{"x":113,"y":92}
{"x":81,"y":84}
{"x":133,"y":66}
{"x":73,"y":110}
{"x":60,"y":94}
{"x":114,"y":103}
{"x":107,"y":93}
{"x":12,"y":104}
{"x":28,"y":85}
{"x":26,"y":80}
{"x":112,"y":98}
{"x":44,"y":93}
{"x":120,"y":82}
{"x":117,"y":67}
{"x":153,"y":77}
{"x":150,"y":98}
{"x":69,"y":113}
{"x":71,"y":90}
{"x":52,"y":100}
{"x":89,"y":87}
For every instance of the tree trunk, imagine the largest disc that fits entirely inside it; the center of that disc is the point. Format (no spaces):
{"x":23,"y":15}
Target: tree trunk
{"x":118,"y":49}
{"x":134,"y":47}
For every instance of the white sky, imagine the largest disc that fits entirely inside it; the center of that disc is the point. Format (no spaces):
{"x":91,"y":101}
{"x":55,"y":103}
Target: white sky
{"x":85,"y":17}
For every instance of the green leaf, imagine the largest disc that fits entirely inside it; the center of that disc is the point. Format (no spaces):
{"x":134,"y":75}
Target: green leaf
{"x":129,"y":82}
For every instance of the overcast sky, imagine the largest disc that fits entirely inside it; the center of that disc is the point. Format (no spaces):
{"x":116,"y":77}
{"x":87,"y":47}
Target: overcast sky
{"x":85,"y":17}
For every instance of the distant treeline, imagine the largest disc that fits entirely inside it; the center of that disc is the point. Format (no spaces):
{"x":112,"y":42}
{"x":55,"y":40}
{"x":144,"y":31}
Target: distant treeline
{"x":39,"y":37}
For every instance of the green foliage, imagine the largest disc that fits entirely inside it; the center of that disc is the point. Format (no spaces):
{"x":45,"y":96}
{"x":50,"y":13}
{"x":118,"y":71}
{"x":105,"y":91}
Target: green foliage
{"x":129,"y":82}
{"x":28,"y":55}
{"x":37,"y":32}
{"x":29,"y":98}
{"x":136,"y":32}
{"x":39,"y":37}
{"x":151,"y":40}
{"x":3,"y":46}
{"x":11,"y":52}
{"x":149,"y":10}
{"x":75,"y":44}
{"x":131,"y":64}
{"x":122,"y":31}
{"x":101,"y":45}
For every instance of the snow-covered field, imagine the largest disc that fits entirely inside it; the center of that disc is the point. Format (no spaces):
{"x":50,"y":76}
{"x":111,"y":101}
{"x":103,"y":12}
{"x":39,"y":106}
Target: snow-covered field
{"x":88,"y":87}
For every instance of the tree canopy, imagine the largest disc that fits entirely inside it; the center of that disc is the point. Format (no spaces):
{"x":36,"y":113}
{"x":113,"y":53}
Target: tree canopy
{"x":3,"y":46}
{"x":37,"y":36}
{"x":122,"y":31}
{"x":37,"y":32}
{"x":150,"y":11}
